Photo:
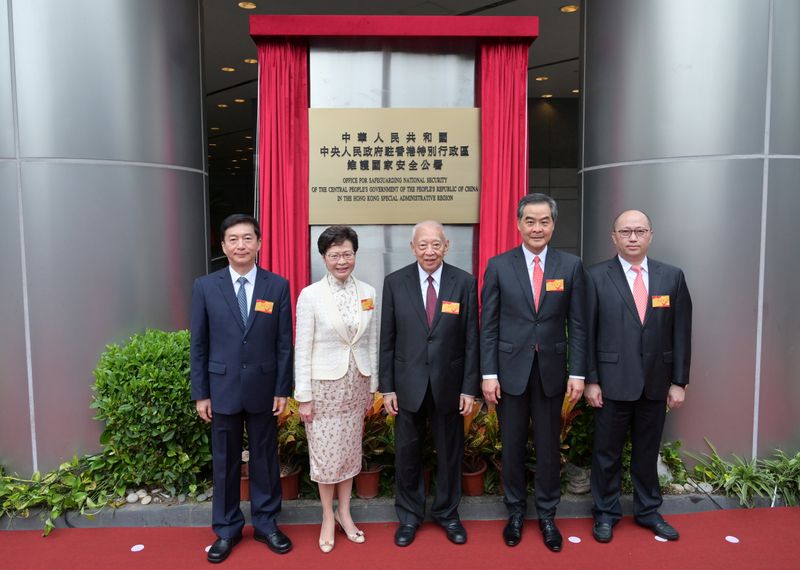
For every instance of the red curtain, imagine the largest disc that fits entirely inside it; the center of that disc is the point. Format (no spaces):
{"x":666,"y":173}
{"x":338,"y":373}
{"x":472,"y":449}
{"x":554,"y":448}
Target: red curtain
{"x":283,"y":160}
{"x":503,"y":99}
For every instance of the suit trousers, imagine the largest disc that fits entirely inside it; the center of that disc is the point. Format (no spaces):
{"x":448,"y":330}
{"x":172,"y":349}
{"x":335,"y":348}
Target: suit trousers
{"x":515,"y":414}
{"x":645,"y":420}
{"x":448,"y":440}
{"x":227,"y":519}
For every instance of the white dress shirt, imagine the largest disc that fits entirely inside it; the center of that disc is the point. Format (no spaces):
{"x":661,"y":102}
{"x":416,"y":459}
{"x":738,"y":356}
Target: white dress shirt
{"x":630,"y":275}
{"x":248,"y":287}
{"x":423,"y":282}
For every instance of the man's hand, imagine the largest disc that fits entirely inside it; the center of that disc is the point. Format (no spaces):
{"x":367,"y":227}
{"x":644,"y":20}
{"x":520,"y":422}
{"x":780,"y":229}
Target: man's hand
{"x":676,"y":396}
{"x":278,"y":405}
{"x":465,"y":404}
{"x":575,"y":389}
{"x":390,"y":404}
{"x":491,"y":391}
{"x":203,"y":408}
{"x":594,"y":395}
{"x":306,"y":410}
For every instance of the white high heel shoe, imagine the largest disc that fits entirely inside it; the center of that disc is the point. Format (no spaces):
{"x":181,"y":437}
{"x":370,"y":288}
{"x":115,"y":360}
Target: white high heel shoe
{"x":358,"y":537}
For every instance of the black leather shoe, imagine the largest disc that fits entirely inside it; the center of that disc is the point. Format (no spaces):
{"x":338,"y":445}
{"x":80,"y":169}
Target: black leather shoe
{"x":221,"y":548}
{"x":456,"y":533}
{"x":404,"y":535}
{"x":512,"y":533}
{"x":602,"y":532}
{"x":277,"y":542}
{"x":661,"y":528}
{"x":551,"y":534}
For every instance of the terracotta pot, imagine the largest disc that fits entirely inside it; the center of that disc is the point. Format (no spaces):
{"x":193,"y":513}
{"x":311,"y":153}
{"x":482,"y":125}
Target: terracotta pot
{"x":290,"y":485}
{"x":368,"y":483}
{"x":472,"y":483}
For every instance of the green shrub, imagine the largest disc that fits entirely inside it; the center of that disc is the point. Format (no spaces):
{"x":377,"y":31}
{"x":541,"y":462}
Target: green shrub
{"x":152,"y":433}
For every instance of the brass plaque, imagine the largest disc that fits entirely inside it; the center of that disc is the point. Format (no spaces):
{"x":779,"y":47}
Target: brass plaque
{"x":393,"y":166}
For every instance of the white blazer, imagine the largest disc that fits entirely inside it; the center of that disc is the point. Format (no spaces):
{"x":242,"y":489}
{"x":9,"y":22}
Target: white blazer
{"x":322,"y":349}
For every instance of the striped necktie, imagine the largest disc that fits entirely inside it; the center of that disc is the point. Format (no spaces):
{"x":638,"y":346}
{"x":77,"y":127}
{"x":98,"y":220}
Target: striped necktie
{"x":241,"y":297}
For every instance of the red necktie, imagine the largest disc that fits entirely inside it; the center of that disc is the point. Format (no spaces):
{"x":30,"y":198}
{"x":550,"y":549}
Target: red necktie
{"x":430,"y":301}
{"x":538,"y":277}
{"x":639,"y":292}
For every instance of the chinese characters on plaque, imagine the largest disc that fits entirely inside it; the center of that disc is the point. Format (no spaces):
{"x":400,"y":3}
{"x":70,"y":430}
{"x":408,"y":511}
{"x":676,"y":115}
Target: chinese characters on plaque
{"x":393,"y":166}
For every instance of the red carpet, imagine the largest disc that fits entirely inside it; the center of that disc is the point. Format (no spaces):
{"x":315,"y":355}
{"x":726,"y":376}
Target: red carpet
{"x":768,"y":538}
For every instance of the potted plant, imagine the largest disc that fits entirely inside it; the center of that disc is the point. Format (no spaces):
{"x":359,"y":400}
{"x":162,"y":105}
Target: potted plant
{"x":292,"y":448}
{"x":376,"y":441}
{"x":476,"y":445}
{"x":576,"y":441}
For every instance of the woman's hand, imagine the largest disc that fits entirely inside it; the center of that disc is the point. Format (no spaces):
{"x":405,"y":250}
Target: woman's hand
{"x":306,"y":410}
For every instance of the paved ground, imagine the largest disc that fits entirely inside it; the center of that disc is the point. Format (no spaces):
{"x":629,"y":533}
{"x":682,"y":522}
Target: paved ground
{"x":373,"y":510}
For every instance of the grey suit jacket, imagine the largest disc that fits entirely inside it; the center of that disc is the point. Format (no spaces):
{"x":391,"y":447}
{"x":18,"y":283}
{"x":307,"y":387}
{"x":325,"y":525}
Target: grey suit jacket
{"x":446,"y":354}
{"x":628,"y":358}
{"x":512,"y":332}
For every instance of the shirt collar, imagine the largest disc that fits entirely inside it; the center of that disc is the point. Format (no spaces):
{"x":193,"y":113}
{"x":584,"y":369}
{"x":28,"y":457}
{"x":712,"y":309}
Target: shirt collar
{"x":250,"y":275}
{"x":529,"y":255}
{"x":423,"y":275}
{"x":626,"y":265}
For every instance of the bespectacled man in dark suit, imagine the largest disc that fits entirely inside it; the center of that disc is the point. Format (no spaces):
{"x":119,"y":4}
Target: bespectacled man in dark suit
{"x":429,"y":373}
{"x":241,"y":373}
{"x":640,"y":336}
{"x":533,"y":295}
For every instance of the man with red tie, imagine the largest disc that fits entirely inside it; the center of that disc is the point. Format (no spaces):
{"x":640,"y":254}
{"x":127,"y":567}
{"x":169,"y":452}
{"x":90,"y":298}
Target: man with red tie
{"x":532,"y":295}
{"x":639,"y":351}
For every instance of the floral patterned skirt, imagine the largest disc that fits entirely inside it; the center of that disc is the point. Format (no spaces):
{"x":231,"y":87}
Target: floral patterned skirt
{"x":334,"y":436}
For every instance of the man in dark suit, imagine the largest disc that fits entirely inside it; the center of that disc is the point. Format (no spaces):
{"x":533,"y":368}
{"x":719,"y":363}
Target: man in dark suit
{"x":429,"y":373}
{"x":640,"y":329}
{"x":241,"y":371}
{"x":531,"y":295}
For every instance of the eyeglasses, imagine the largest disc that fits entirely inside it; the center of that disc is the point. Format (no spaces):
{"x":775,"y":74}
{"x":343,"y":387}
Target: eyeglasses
{"x":626,"y":232}
{"x":346,"y":255}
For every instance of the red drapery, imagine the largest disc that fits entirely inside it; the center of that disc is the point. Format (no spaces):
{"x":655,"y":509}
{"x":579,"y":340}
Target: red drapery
{"x":283,"y":160}
{"x":503,"y":99}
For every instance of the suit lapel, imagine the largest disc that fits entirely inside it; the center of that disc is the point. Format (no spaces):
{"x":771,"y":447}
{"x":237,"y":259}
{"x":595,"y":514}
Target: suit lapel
{"x":363,"y":315}
{"x":619,"y":280}
{"x":446,"y":288}
{"x":414,"y":291}
{"x":654,"y":284}
{"x":333,"y":311}
{"x":228,"y":293}
{"x":551,"y":269}
{"x":259,"y":292}
{"x":521,"y":271}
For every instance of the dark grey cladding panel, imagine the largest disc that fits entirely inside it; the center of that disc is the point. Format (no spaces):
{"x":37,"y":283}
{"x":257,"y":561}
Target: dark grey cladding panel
{"x":664,"y":79}
{"x":114,"y":81}
{"x":785,"y":112}
{"x":779,"y":406}
{"x":111,"y":250}
{"x":15,"y":434}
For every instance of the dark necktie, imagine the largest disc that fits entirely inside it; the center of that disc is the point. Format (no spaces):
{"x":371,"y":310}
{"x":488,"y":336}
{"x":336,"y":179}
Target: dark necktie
{"x":430,"y":301}
{"x":241,"y":297}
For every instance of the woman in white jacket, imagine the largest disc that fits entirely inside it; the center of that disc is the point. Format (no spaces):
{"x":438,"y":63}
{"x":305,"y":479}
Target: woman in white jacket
{"x":336,"y":375}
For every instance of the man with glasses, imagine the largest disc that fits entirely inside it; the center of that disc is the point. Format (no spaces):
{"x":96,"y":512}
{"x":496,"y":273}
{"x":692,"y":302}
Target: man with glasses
{"x":640,"y":328}
{"x":429,"y":374}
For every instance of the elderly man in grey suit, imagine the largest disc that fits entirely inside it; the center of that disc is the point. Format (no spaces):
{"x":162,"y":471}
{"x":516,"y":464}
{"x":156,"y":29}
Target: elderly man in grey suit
{"x":640,"y":336}
{"x":429,"y":373}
